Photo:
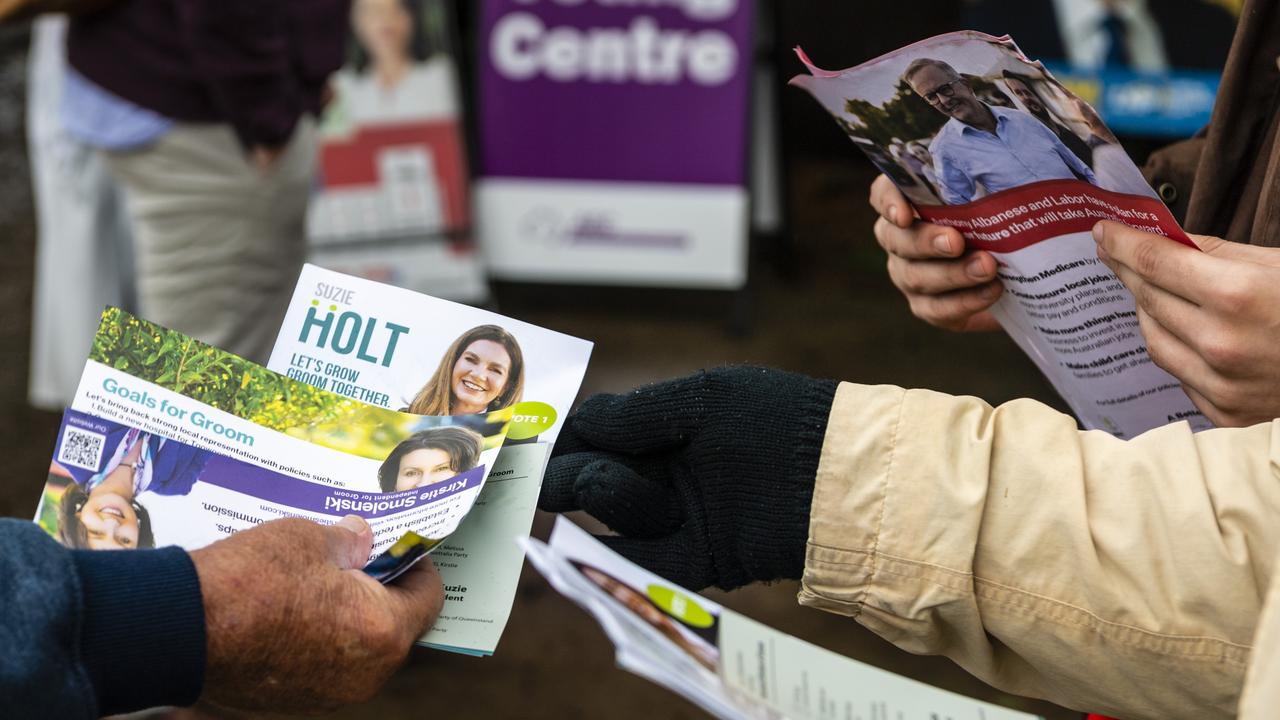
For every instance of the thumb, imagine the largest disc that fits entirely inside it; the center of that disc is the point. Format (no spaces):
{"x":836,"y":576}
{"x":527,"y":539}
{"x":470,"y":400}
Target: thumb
{"x":349,"y":542}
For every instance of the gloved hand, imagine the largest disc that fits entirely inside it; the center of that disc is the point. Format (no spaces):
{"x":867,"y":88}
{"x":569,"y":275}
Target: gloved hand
{"x":707,"y":479}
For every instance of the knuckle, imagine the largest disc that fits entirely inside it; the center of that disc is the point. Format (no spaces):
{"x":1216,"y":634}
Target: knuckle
{"x":1146,"y":257}
{"x":912,"y":281}
{"x":1235,"y":297}
{"x":1223,"y":352}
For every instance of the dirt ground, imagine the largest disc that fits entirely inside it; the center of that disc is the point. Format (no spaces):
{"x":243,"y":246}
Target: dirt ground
{"x":832,"y":313}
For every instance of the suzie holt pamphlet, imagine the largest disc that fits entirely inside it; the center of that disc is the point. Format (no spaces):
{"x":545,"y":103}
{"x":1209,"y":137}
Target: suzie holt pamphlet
{"x":387,"y":404}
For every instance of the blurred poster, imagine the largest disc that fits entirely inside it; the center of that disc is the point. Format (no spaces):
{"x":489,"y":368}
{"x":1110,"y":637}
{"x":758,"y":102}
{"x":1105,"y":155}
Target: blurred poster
{"x":1148,"y":68}
{"x":392,"y":202}
{"x":613,"y":140}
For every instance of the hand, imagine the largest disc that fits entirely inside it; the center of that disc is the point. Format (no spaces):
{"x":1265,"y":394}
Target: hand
{"x":946,"y":286}
{"x":708,"y":478}
{"x":264,"y":158}
{"x":295,"y":625}
{"x":1211,"y":319}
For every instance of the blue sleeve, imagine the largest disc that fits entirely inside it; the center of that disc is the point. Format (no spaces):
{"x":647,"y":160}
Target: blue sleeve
{"x":954,"y":183}
{"x":1072,"y":160}
{"x":91,"y":633}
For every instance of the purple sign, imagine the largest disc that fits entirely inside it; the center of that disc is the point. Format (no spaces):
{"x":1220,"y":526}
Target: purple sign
{"x":622,"y":90}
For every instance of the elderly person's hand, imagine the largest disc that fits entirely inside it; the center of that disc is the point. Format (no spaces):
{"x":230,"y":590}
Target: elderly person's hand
{"x":945,"y":285}
{"x":295,"y":625}
{"x":1211,"y":319}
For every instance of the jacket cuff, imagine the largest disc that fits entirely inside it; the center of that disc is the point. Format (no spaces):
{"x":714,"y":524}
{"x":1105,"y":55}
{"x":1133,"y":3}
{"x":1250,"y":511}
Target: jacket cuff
{"x":143,"y":637}
{"x":848,"y":497}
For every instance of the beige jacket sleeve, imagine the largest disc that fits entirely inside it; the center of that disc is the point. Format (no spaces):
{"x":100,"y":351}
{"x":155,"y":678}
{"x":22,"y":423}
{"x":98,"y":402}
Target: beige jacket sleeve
{"x":1122,"y":577}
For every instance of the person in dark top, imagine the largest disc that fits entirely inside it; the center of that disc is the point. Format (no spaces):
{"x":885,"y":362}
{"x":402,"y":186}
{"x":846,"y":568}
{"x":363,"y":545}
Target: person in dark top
{"x":89,"y":633}
{"x":1020,"y":85}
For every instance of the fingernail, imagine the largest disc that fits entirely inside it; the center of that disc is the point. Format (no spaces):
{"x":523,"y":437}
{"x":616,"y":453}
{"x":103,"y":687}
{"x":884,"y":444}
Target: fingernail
{"x":943,"y":244}
{"x":977,"y":268}
{"x":991,"y":291}
{"x":893,"y":214}
{"x":354,"y":523}
{"x":1097,"y":232}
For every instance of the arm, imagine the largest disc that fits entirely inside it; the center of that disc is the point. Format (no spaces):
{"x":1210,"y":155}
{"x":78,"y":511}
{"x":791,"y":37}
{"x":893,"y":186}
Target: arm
{"x":279,"y":617}
{"x":1122,"y":577}
{"x":93,"y":634}
{"x":954,"y":183}
{"x":242,"y":49}
{"x":1072,"y":160}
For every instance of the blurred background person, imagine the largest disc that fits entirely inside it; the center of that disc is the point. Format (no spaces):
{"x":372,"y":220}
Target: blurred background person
{"x":1091,"y":34}
{"x":203,"y":111}
{"x":84,"y":250}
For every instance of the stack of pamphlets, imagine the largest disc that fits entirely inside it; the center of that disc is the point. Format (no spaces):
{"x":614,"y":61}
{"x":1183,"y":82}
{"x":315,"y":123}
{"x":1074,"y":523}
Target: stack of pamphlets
{"x":406,"y":410}
{"x":728,"y":664}
{"x":982,"y":139}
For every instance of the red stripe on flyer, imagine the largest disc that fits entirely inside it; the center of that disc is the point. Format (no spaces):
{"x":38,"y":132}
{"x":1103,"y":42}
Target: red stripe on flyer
{"x":1020,"y":217}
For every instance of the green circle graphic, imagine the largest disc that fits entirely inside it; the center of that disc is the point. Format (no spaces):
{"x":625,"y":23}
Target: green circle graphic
{"x":680,"y":606}
{"x":530,"y":419}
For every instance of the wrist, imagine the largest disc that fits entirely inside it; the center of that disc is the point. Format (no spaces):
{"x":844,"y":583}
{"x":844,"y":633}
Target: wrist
{"x":143,"y":636}
{"x":770,"y":463}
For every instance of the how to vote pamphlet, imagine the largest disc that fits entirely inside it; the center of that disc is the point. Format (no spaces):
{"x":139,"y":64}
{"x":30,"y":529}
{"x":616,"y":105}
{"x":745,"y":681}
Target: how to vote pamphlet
{"x":445,"y":359}
{"x":982,"y":139}
{"x":726,"y":663}
{"x":170,"y":441}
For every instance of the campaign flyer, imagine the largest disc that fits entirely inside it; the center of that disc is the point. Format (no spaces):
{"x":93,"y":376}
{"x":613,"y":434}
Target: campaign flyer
{"x":982,"y":139}
{"x":447,"y":359}
{"x":216,"y":444}
{"x":726,"y":663}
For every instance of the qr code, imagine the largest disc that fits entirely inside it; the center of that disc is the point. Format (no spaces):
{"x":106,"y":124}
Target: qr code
{"x":81,"y":448}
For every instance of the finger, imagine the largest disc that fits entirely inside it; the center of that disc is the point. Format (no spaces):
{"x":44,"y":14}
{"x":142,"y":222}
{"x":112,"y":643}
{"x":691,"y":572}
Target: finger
{"x":650,"y":418}
{"x":934,"y":277}
{"x":569,"y":442}
{"x":1169,"y":265}
{"x":632,"y":498}
{"x":1169,"y":352}
{"x":889,"y":202}
{"x":418,"y":597}
{"x":959,"y":310}
{"x":1211,"y":412}
{"x":670,"y":557}
{"x":1174,"y":314}
{"x":919,"y":241}
{"x":557,"y":494}
{"x":349,"y":542}
{"x":628,"y":502}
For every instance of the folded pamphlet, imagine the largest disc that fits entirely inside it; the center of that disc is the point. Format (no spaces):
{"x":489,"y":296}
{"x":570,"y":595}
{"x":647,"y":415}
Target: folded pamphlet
{"x":404,"y":350}
{"x":726,"y":663}
{"x":982,"y":139}
{"x":172,"y":442}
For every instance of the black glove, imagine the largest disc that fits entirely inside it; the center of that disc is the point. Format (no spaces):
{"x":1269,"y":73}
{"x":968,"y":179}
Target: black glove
{"x":708,"y":478}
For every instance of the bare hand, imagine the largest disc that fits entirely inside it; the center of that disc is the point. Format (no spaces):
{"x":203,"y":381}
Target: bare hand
{"x":945,"y":285}
{"x":294,"y":625}
{"x":1211,"y":319}
{"x":265,"y":158}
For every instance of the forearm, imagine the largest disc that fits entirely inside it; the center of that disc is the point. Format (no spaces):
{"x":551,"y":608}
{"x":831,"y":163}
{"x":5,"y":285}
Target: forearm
{"x":88,"y":634}
{"x":1101,"y":574}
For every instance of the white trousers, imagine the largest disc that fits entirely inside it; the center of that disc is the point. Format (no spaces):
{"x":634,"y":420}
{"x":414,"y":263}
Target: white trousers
{"x":83,"y":249}
{"x":218,"y":244}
